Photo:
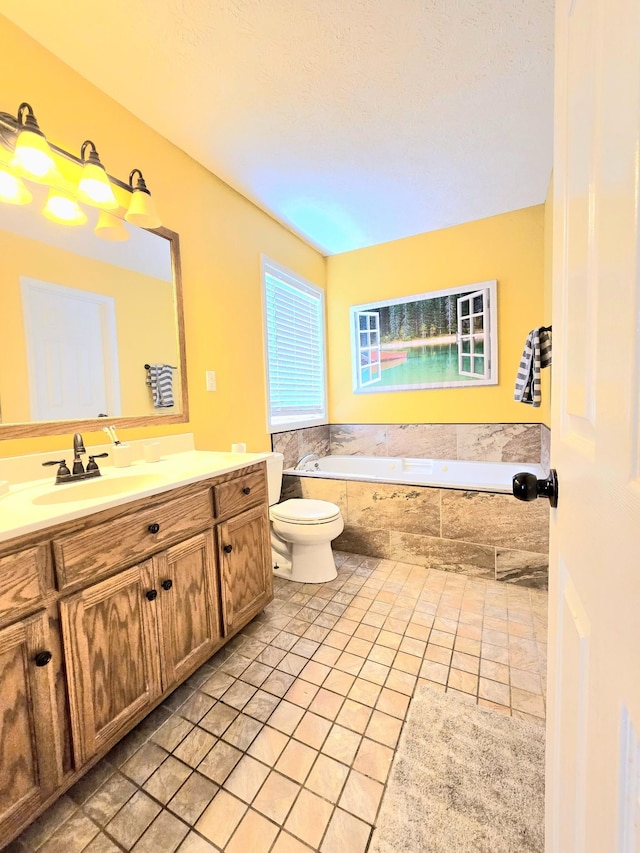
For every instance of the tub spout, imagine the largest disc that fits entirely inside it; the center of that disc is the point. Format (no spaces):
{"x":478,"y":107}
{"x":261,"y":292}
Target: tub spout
{"x":304,"y":464}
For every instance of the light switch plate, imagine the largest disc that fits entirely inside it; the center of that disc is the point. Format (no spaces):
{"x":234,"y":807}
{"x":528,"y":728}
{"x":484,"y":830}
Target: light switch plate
{"x":211,"y":380}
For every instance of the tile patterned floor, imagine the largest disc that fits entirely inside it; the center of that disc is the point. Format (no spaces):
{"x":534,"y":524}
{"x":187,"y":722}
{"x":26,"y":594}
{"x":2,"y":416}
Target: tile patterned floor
{"x":282,"y":742}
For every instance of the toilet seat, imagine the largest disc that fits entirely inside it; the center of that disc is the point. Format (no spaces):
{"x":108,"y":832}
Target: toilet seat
{"x":305,"y":511}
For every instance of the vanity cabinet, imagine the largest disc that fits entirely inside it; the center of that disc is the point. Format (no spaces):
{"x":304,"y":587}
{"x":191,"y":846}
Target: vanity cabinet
{"x":138,"y":596}
{"x":244,"y":549}
{"x":133,"y":636}
{"x":188,"y":606}
{"x":30,"y":765}
{"x":110,"y":640}
{"x":99,"y":549}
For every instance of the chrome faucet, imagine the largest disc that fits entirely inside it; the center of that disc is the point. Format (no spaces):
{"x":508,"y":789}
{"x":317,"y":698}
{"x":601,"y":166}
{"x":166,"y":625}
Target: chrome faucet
{"x":78,"y":448}
{"x":302,"y":463}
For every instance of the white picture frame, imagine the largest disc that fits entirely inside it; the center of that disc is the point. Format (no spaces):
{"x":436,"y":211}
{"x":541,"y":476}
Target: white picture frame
{"x":438,"y":339}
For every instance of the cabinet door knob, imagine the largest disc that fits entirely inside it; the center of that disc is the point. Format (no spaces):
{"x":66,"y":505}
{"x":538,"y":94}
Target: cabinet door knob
{"x":167,"y":584}
{"x":152,"y":594}
{"x":246,"y":490}
{"x":43,"y":658}
{"x":153,"y":528}
{"x":228,"y":549}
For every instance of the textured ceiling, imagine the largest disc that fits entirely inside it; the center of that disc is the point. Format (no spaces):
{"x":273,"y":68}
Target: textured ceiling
{"x":353,"y":122}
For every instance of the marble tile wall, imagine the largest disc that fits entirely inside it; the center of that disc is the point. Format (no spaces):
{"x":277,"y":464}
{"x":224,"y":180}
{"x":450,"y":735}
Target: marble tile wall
{"x":296,"y":443}
{"x":471,"y":442}
{"x":545,"y":447}
{"x":480,"y":534}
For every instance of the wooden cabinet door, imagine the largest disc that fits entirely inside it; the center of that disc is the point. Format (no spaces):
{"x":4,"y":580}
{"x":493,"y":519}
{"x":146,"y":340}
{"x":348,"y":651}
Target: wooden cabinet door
{"x":188,"y":617}
{"x":30,"y":766}
{"x":244,"y":548}
{"x":111,"y":648}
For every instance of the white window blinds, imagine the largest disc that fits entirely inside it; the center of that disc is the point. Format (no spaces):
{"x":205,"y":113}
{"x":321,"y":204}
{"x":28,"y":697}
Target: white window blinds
{"x":294,"y":332}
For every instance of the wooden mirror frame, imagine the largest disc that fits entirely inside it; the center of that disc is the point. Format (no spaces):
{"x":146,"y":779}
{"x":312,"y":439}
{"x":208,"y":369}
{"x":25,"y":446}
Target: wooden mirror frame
{"x":40,"y":428}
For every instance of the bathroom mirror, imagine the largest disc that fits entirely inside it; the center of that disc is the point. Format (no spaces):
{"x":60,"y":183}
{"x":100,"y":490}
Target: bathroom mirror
{"x":80,"y":318}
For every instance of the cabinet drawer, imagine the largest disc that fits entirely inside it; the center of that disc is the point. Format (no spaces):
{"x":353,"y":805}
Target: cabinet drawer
{"x":97,"y":551}
{"x":22,"y":582}
{"x":240,"y":494}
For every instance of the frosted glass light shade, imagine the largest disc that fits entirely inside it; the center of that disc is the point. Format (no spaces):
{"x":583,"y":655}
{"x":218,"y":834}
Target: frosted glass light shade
{"x":64,"y":209}
{"x":12,"y":189}
{"x":32,"y":157}
{"x":109,"y":227}
{"x":94,"y":188}
{"x":142,"y":211}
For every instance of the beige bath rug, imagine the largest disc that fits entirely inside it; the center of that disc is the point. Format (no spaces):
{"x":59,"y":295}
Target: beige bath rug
{"x":464,"y":779}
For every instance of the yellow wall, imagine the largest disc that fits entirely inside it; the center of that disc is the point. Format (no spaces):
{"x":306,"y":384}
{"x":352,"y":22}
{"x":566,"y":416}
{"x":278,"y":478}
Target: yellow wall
{"x":221,"y":238}
{"x":508,"y":248}
{"x":144,"y":309}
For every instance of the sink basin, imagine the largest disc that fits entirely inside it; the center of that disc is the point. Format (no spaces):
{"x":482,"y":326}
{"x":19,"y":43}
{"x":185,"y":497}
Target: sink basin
{"x":87,"y":490}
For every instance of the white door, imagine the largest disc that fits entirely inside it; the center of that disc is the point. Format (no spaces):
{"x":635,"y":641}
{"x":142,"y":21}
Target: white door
{"x":71,"y":352}
{"x":594,"y":635}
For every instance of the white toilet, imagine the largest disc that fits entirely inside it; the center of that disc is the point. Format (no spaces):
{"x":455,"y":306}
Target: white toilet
{"x":301,"y":532}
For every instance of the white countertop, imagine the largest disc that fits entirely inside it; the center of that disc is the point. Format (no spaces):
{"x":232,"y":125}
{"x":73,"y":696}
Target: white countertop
{"x":25,"y":508}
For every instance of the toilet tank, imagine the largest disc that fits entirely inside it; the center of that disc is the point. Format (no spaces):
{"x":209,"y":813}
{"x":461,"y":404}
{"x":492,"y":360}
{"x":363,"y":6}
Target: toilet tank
{"x":274,"y":476}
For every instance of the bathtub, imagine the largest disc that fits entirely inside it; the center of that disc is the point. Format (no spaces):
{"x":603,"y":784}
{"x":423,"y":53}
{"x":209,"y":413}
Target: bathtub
{"x":437,"y":473}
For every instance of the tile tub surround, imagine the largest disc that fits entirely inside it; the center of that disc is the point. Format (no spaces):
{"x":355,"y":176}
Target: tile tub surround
{"x":480,"y":534}
{"x":545,"y":447}
{"x":296,"y":443}
{"x":283,"y":741}
{"x":469,"y":442}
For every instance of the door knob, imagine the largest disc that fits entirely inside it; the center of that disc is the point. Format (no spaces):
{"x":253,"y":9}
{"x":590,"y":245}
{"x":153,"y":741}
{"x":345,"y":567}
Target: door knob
{"x":43,"y":658}
{"x":228,"y":549}
{"x":167,"y":584}
{"x":153,"y":528}
{"x":152,"y":594}
{"x":527,"y":487}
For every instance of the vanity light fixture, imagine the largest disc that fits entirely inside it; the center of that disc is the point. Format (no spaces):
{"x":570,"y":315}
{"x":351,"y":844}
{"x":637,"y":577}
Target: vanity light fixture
{"x":111,"y":228}
{"x":32,"y":158}
{"x":12,"y":188}
{"x":142,"y":210}
{"x":26,"y":155}
{"x":94,"y":187}
{"x":62,"y":207}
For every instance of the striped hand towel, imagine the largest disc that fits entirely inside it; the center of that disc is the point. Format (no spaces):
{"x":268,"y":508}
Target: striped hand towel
{"x":160,"y":379}
{"x":536,"y":355}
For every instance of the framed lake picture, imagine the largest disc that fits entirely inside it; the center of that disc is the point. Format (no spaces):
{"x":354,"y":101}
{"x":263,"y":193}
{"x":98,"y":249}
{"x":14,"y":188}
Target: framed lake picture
{"x":441,"y":339}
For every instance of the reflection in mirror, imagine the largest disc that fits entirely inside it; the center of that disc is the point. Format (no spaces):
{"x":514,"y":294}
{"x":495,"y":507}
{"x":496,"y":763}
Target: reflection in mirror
{"x":80,"y":317}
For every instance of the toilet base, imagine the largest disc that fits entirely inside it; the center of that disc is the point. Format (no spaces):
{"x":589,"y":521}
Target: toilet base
{"x":312,"y":563}
{"x":280,"y":565}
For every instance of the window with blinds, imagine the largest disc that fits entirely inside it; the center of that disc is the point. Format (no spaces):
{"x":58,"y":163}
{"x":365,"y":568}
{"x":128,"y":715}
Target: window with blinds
{"x":295,"y":349}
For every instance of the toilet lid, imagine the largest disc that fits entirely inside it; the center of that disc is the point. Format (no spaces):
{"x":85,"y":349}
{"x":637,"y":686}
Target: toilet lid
{"x":305,"y":511}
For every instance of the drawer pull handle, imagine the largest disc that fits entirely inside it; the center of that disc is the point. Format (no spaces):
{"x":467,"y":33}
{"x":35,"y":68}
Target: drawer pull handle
{"x":152,"y":594}
{"x":153,"y":528}
{"x":167,"y":584}
{"x":43,"y":658}
{"x":246,"y":490}
{"x":228,"y":549}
